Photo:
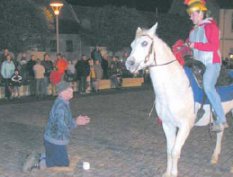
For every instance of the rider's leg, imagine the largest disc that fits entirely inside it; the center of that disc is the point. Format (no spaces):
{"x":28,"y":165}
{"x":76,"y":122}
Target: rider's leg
{"x":209,"y":81}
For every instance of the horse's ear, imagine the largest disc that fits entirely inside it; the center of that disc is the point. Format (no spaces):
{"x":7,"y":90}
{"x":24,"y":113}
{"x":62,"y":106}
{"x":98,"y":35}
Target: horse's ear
{"x":139,"y":31}
{"x":153,"y":29}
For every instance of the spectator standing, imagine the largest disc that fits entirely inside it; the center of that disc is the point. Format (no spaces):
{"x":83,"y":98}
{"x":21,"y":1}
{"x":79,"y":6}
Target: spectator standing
{"x":95,"y":54}
{"x":22,"y":68}
{"x":54,"y":78}
{"x":99,"y":74}
{"x":104,"y":65}
{"x":61,"y":64}
{"x":115,"y":72}
{"x":83,"y":70}
{"x":4,"y":55}
{"x":70,"y":72}
{"x":7,"y":71}
{"x":123,"y":58}
{"x":71,"y":67}
{"x":92,"y":76}
{"x":6,"y":52}
{"x":39,"y":72}
{"x":16,"y":80}
{"x":48,"y":65}
{"x":31,"y":75}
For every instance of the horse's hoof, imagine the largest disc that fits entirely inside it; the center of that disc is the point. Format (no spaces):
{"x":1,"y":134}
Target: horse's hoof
{"x":168,"y":175}
{"x":214,"y":161}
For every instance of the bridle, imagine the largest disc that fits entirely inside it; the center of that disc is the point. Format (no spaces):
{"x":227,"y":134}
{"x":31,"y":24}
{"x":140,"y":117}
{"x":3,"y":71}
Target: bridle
{"x":151,"y":52}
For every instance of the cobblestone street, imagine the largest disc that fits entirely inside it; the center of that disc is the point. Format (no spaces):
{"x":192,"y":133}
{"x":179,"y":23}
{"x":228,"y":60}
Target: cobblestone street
{"x":120,"y":141}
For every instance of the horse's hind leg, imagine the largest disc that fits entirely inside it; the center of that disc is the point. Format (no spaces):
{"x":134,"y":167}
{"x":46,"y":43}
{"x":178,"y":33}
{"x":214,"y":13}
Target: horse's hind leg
{"x":170,"y":133}
{"x":218,"y":146}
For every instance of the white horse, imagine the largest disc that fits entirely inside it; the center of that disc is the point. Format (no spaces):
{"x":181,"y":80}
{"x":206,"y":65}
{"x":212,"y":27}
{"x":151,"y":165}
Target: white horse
{"x":174,"y":100}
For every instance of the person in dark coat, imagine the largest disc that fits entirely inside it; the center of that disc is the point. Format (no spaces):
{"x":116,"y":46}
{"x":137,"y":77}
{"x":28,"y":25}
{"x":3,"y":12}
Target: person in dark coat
{"x":31,"y":75}
{"x":83,"y":70}
{"x":48,"y":65}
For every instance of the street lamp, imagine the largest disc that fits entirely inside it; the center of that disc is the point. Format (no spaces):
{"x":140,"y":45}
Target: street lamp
{"x":56,"y":6}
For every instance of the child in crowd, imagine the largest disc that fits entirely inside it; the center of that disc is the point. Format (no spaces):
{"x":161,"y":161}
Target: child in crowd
{"x":16,"y":80}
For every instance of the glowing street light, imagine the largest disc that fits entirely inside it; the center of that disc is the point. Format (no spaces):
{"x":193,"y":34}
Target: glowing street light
{"x":231,"y":56}
{"x":56,"y":6}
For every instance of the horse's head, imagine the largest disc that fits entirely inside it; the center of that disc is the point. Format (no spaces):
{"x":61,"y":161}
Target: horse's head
{"x":142,"y":54}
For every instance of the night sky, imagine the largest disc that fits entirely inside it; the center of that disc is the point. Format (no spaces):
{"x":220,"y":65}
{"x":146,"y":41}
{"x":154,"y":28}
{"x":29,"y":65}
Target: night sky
{"x":146,"y":5}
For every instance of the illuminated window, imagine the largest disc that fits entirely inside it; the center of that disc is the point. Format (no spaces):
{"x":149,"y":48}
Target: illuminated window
{"x":69,"y":46}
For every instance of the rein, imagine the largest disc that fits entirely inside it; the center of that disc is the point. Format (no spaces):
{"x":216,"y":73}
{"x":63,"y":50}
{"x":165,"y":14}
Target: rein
{"x":150,"y":53}
{"x":163,"y":64}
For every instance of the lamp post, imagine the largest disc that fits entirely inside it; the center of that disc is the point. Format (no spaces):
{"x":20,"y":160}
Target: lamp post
{"x":56,"y":6}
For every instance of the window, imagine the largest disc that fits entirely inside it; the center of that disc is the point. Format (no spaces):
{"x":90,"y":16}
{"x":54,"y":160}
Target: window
{"x":69,"y":46}
{"x":52,"y":45}
{"x":231,"y":50}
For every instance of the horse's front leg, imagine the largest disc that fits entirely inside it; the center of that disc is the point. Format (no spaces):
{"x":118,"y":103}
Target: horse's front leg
{"x":217,"y":150}
{"x":170,"y":133}
{"x":181,"y":137}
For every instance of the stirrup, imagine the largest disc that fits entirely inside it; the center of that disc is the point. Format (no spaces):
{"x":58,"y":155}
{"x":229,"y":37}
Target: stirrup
{"x":200,"y":114}
{"x":217,"y":128}
{"x":225,"y":124}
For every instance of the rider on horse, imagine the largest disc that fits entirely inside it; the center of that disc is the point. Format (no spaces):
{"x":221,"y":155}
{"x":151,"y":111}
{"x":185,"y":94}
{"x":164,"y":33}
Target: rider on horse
{"x":204,"y":42}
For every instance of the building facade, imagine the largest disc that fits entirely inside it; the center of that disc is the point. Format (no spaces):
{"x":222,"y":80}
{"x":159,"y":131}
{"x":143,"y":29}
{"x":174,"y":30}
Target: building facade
{"x":226,"y":27}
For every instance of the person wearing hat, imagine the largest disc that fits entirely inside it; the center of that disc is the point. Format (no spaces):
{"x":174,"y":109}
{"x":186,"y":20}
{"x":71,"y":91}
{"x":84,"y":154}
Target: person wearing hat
{"x":205,"y":44}
{"x":57,"y":131}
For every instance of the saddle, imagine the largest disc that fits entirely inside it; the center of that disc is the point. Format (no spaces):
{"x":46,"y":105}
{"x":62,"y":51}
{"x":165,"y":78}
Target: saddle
{"x":184,"y":56}
{"x":198,"y":69}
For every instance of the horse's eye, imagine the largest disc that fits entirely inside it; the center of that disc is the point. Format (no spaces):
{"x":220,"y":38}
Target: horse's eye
{"x":144,"y":43}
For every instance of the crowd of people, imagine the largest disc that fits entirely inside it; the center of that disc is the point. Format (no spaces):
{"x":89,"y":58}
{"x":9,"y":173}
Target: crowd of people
{"x":36,"y":73}
{"x":228,"y":62}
